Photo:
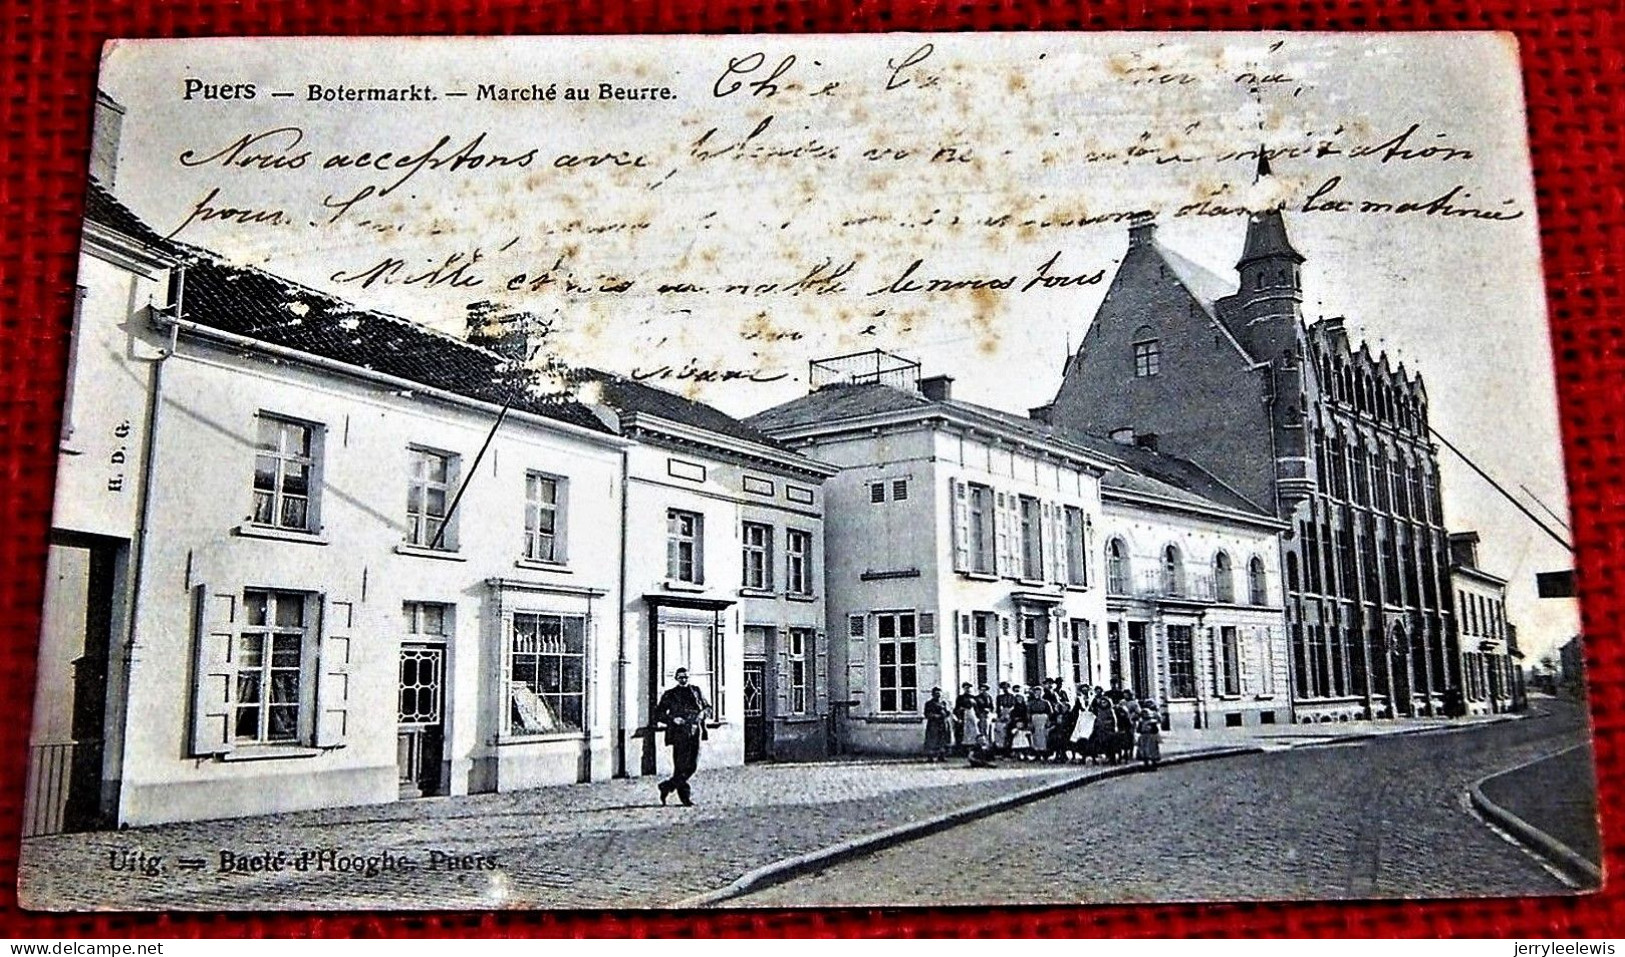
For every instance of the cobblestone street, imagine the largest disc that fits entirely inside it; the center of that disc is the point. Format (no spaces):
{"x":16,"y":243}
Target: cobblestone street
{"x":1356,"y":819}
{"x":609,"y":844}
{"x":612,"y":844}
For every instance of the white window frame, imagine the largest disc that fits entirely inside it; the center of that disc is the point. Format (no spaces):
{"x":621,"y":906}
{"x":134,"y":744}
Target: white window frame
{"x":545,"y":547}
{"x":709,"y":678}
{"x":901,"y":677}
{"x":416,"y":619}
{"x":265,"y":634}
{"x":983,"y":529}
{"x":798,"y":561}
{"x":1077,"y":546}
{"x":677,"y":541}
{"x":1258,"y":587}
{"x":1117,"y":567}
{"x":420,"y":530}
{"x":797,"y":653}
{"x":1224,"y":578}
{"x":282,"y":458}
{"x":756,"y":557}
{"x":548,"y":703}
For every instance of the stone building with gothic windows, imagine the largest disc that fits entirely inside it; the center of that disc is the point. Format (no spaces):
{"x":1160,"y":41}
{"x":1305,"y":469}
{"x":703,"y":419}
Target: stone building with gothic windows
{"x":1329,"y":437}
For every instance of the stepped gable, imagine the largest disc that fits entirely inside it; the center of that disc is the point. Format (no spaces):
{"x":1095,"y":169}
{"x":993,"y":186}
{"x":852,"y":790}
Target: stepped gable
{"x":255,"y":304}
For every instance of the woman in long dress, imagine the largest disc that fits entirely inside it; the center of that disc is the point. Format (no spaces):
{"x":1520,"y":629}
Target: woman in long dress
{"x":938,"y":738}
{"x":1148,"y":736}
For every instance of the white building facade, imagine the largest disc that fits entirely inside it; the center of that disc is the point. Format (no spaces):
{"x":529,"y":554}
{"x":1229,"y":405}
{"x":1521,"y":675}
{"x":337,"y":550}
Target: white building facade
{"x":308,"y":556}
{"x":1193,"y":595}
{"x":961,"y":544}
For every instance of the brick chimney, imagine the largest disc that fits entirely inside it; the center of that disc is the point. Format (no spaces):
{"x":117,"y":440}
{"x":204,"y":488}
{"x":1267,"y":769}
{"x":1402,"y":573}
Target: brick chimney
{"x":104,"y":139}
{"x":937,"y":388}
{"x":1142,"y":229}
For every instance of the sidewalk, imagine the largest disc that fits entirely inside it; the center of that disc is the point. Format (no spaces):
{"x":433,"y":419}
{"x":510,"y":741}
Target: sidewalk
{"x":1272,"y":737}
{"x":605,"y":844}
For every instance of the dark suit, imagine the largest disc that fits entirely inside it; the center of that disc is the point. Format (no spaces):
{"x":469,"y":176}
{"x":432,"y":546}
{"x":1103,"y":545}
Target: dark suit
{"x":682,"y":710}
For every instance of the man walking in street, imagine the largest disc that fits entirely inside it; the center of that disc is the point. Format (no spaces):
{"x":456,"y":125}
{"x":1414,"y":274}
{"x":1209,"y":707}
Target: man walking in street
{"x":683,"y":710}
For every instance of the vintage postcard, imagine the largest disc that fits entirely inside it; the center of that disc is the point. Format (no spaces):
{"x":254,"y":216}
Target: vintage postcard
{"x":808,"y":471}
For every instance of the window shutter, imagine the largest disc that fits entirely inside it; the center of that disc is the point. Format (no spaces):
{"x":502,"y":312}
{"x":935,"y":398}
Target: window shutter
{"x":1215,"y":661}
{"x":818,"y":694}
{"x":215,"y":623}
{"x":958,"y":495}
{"x":1001,"y":536}
{"x":966,"y":649}
{"x":1008,"y":656}
{"x":1058,"y":543}
{"x":333,"y":672}
{"x":857,"y":659}
{"x":781,"y":672}
{"x":1247,"y":659}
{"x":928,"y":655}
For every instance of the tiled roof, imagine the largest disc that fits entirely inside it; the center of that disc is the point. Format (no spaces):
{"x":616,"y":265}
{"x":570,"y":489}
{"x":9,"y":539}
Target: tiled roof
{"x":628,"y":395}
{"x":255,"y":304}
{"x":1266,"y":236}
{"x":1205,"y":287}
{"x":1135,"y":468}
{"x":101,"y":207}
{"x":833,"y":403}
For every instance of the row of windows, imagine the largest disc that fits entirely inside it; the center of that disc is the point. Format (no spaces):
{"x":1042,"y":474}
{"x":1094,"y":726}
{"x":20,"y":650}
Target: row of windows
{"x":1338,"y":559}
{"x":1229,"y":665}
{"x":759,"y":563}
{"x":1018,"y":536}
{"x":546,"y":668}
{"x":286,"y":485}
{"x":1330,"y":662}
{"x":1172,"y":580}
{"x":286,"y":467}
{"x":1351,"y":472}
{"x":1487,"y":676}
{"x":1479,"y":615}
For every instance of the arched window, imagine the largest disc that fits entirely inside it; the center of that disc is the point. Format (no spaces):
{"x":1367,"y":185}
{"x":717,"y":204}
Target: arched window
{"x":1116,"y":567}
{"x":1173,"y":571}
{"x":1257,"y":587}
{"x":1224,"y":580}
{"x":1292,"y":578}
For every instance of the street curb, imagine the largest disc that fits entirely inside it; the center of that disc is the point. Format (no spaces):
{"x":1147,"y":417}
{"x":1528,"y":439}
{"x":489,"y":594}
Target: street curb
{"x":779,"y":871}
{"x":1573,"y":865}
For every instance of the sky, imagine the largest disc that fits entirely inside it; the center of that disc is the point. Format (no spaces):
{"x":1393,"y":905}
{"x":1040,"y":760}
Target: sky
{"x":711,"y":213}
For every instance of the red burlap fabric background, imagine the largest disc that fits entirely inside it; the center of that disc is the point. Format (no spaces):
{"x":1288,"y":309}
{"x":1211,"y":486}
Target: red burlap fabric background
{"x":1572,"y":62}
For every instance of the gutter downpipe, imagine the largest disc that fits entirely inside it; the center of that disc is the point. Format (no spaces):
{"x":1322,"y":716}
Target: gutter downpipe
{"x":621,"y":661}
{"x":177,"y":294}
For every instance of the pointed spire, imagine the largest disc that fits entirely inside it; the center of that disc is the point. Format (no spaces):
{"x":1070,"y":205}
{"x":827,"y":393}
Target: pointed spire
{"x":1263,"y":165}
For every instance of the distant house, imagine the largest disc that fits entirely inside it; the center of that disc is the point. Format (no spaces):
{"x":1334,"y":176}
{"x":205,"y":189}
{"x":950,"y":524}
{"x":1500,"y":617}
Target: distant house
{"x":1492,"y":677}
